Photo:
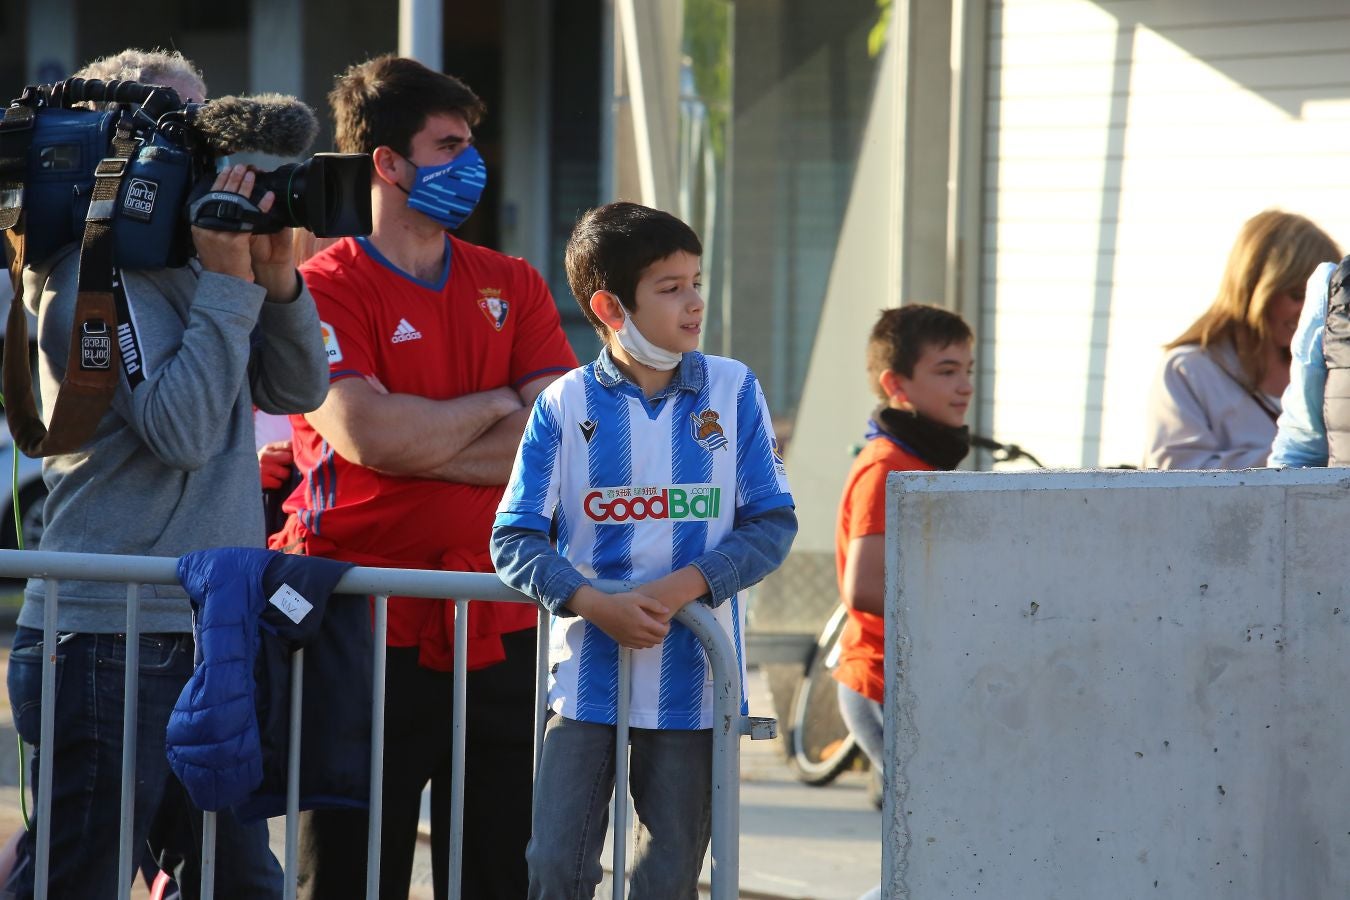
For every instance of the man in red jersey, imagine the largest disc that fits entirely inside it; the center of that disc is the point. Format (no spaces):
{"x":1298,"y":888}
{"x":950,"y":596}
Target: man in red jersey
{"x":437,"y":349}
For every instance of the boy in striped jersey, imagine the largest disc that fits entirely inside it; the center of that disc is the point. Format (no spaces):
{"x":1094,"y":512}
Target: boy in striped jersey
{"x":658,"y":467}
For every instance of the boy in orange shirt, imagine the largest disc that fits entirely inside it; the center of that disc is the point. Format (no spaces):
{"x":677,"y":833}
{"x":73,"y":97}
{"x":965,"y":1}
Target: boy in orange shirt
{"x":919,"y":361}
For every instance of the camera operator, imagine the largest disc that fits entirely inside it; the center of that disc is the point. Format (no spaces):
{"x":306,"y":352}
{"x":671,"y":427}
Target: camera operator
{"x":171,"y":468}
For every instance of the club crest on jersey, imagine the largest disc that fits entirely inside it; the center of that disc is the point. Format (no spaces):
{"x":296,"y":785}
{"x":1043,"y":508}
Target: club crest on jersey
{"x":330,"y":343}
{"x":707,"y":432}
{"x":493,"y":306}
{"x":672,"y":503}
{"x":588,"y":429}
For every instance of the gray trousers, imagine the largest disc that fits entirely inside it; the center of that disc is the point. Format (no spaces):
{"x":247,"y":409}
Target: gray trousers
{"x":865,"y":719}
{"x":670,"y":775}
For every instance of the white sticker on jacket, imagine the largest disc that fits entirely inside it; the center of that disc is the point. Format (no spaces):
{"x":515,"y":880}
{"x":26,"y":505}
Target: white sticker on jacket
{"x":291,"y":603}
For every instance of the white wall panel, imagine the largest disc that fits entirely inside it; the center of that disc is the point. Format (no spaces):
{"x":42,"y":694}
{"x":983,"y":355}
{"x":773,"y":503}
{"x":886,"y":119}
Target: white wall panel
{"x":1126,"y":142}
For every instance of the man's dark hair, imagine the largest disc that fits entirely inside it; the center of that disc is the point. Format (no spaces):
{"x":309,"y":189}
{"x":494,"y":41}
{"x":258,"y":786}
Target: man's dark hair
{"x":901,"y":335}
{"x":612,"y":245}
{"x":384,"y":101}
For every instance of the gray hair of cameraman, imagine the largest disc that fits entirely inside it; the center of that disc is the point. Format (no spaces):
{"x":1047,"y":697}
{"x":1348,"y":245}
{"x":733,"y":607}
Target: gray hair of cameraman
{"x":167,"y":67}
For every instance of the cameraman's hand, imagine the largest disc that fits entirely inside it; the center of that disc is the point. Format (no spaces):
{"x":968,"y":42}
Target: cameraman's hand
{"x":228,"y":252}
{"x":273,"y":261}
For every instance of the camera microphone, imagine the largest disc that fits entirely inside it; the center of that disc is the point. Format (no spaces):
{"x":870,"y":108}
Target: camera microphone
{"x":268,"y":123}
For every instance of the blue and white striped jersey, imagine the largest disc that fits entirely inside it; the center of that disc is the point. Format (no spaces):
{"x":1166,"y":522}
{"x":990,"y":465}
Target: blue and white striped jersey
{"x":639,"y":489}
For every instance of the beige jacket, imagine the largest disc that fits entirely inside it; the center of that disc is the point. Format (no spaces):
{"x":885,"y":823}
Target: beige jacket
{"x":1200,"y":417}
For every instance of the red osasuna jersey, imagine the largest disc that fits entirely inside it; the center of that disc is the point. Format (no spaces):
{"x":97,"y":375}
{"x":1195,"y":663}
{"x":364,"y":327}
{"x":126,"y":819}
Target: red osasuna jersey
{"x":488,"y":322}
{"x":862,"y":512}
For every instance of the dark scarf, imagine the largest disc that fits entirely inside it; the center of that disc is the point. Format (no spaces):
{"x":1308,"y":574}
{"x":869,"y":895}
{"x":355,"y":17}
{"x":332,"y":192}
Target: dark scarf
{"x":936,"y":444}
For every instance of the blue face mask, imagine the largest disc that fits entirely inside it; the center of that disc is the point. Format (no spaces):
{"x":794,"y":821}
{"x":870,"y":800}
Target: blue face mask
{"x":448,"y":193}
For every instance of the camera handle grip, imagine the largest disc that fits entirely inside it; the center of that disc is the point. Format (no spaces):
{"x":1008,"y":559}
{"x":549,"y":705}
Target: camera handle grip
{"x":77,"y":90}
{"x":225,"y":211}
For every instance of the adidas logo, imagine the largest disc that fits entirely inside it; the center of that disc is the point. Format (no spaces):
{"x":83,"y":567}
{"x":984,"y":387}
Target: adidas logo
{"x":405,"y":332}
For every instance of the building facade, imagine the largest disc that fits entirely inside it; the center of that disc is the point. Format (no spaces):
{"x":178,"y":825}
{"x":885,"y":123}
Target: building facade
{"x":1068,"y":174}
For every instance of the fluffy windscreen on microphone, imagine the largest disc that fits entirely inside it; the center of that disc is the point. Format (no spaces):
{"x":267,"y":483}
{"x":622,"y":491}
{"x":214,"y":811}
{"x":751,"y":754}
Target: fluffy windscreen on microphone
{"x":268,"y":123}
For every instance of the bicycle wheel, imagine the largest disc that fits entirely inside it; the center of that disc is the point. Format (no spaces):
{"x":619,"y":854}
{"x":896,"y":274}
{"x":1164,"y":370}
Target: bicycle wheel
{"x":822,"y":746}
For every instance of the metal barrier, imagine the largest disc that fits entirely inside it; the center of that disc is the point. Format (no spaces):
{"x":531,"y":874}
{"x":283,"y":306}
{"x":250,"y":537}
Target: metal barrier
{"x":728,"y":723}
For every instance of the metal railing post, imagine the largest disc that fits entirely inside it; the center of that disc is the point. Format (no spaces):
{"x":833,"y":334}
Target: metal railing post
{"x":381,"y":629}
{"x":459,"y":717}
{"x":625,"y":666}
{"x":540,"y":684}
{"x":208,"y":856}
{"x":46,"y":738}
{"x":292,"y":870}
{"x":726,"y":749}
{"x":131,"y":657}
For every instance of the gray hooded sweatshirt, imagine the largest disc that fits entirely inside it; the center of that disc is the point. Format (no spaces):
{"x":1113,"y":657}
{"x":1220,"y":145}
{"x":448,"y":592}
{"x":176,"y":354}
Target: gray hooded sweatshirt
{"x":172,"y":465}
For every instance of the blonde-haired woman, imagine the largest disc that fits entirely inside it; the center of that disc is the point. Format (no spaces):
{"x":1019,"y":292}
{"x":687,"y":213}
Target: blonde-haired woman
{"x":1216,"y":397}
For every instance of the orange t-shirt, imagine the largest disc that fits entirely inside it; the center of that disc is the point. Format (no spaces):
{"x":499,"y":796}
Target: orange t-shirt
{"x":862,"y":511}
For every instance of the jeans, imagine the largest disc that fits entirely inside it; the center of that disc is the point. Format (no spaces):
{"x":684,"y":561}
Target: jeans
{"x":670,"y":780}
{"x":864,"y":718}
{"x":87,"y":773}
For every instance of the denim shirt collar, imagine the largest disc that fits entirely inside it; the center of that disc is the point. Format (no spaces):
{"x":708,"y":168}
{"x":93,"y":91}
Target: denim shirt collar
{"x":688,"y":375}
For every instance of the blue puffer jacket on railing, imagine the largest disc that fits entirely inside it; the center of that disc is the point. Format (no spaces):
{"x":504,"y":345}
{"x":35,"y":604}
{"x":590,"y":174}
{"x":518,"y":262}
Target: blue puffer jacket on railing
{"x":228,"y":733}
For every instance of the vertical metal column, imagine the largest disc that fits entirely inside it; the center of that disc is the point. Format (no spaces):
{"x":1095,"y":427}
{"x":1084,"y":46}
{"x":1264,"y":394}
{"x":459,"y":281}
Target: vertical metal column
{"x":609,"y":102}
{"x":51,"y":37}
{"x":131,"y":659}
{"x":376,"y":748}
{"x":457,"y":747}
{"x":46,"y":737}
{"x":276,"y":30}
{"x":293,"y":776}
{"x":419,"y":32}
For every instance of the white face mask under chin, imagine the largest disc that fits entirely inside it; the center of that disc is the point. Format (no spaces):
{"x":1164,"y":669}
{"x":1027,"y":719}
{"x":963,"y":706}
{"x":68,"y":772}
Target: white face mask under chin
{"x":643,"y":350}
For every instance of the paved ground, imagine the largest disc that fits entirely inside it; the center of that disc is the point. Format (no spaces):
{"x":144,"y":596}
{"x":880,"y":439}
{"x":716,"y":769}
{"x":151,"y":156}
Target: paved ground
{"x":797,"y":842}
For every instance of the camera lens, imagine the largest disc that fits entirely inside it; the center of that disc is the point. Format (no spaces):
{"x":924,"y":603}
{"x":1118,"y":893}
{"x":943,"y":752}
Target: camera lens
{"x":328,"y":194}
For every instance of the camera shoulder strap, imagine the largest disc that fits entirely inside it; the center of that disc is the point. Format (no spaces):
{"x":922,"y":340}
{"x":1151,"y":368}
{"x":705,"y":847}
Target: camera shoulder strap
{"x":16,"y":138}
{"x":92,"y":364}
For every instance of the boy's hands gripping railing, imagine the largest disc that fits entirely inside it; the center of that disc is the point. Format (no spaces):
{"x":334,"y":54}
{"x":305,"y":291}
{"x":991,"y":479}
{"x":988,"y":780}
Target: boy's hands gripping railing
{"x":634,"y":620}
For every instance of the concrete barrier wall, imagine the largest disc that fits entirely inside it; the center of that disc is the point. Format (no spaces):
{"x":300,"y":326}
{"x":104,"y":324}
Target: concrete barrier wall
{"x":1118,"y":684}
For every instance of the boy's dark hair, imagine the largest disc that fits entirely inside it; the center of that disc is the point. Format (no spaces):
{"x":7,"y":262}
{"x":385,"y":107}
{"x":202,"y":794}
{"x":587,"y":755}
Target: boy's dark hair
{"x":384,"y":101}
{"x":612,"y":245}
{"x":900,"y":336}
